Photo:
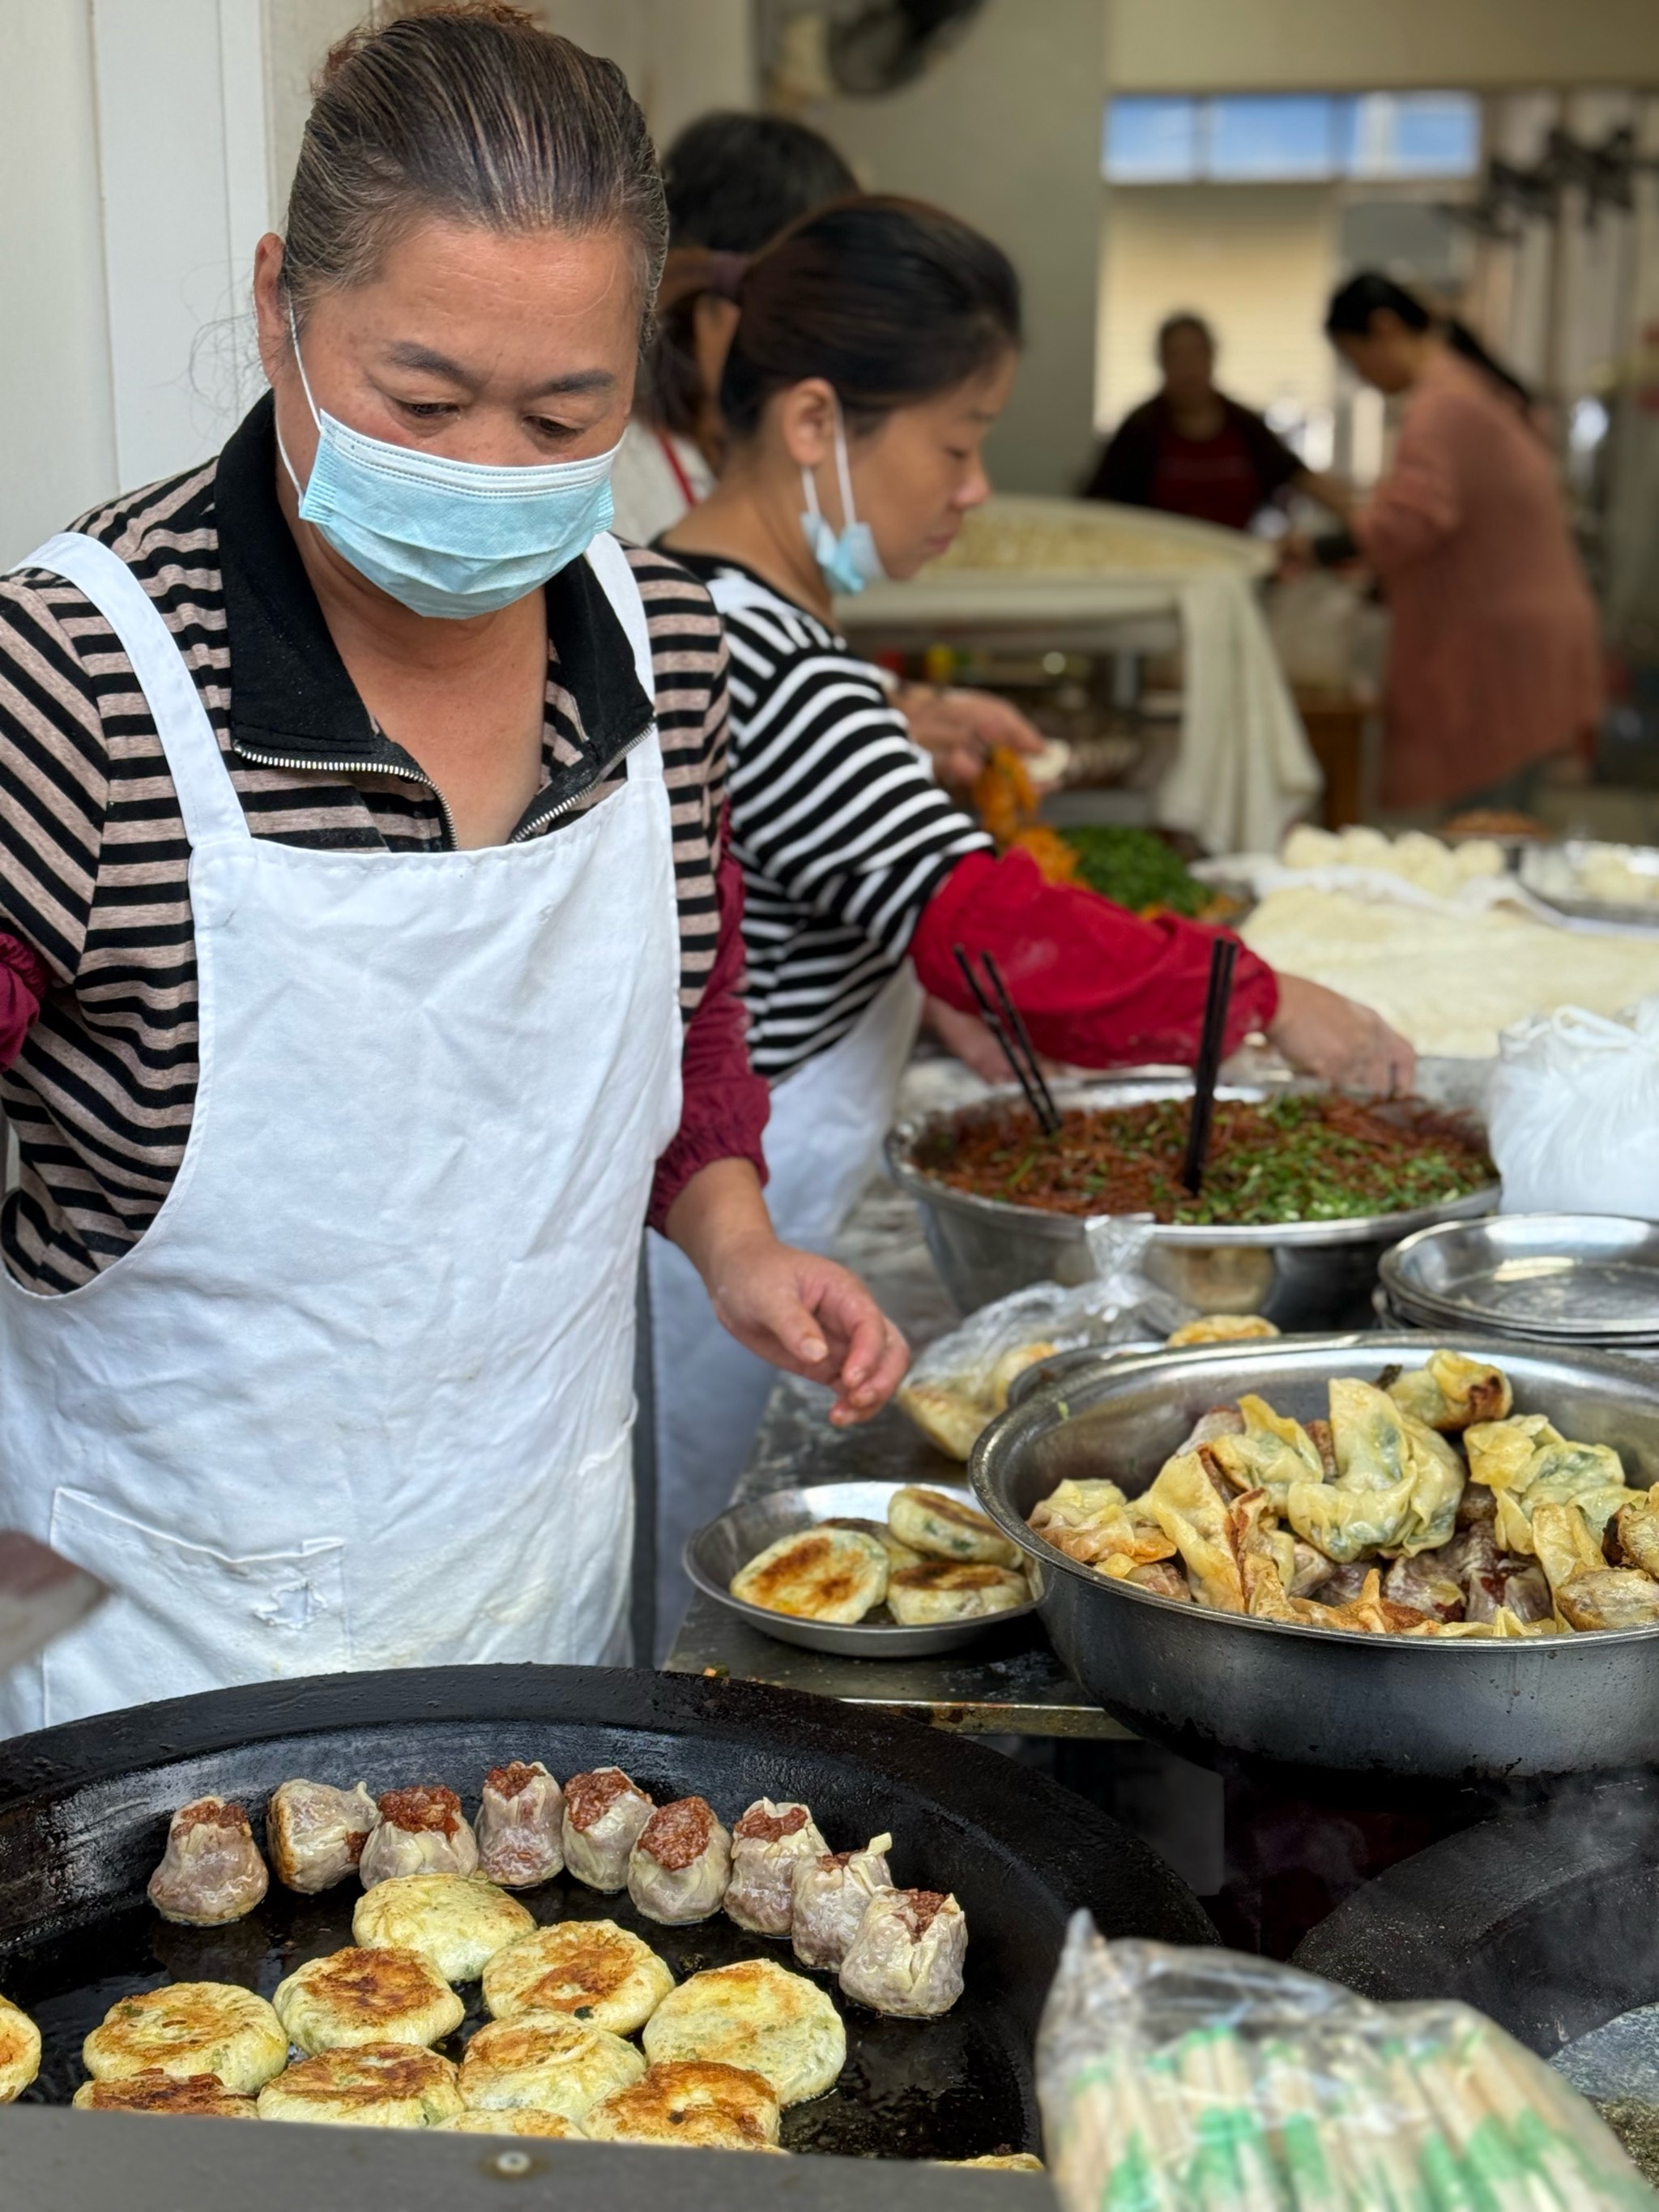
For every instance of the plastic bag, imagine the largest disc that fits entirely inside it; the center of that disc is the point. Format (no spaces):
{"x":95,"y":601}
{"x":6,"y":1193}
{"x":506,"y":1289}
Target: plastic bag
{"x":1195,"y":2080}
{"x":1573,"y":1119}
{"x":961,"y":1383}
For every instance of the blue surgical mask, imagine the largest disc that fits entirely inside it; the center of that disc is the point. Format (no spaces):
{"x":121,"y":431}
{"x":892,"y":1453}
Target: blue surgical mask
{"x":449,"y":538}
{"x":850,"y":560}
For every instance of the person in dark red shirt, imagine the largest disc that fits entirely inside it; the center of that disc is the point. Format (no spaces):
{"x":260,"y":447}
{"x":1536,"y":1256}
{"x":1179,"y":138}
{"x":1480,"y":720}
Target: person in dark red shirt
{"x":1190,"y":450}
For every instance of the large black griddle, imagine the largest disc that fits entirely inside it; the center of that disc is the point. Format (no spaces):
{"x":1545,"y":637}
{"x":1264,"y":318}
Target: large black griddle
{"x":83,"y":1814}
{"x":1545,"y":1918}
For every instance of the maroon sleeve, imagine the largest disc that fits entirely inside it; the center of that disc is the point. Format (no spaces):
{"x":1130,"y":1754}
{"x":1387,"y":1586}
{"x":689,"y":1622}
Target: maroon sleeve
{"x":23,"y":981}
{"x":1097,"y":986}
{"x":725,"y":1103}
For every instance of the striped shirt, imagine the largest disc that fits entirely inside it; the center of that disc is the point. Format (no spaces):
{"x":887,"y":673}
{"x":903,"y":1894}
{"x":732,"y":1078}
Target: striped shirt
{"x":841,"y":832}
{"x":93,"y":859}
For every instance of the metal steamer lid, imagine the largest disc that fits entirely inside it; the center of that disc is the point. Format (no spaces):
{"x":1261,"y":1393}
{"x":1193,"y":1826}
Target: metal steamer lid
{"x":1551,"y":1278}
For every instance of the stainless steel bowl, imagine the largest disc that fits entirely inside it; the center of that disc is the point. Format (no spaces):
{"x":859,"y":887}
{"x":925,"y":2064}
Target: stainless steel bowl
{"x":1301,"y":1274}
{"x":716,"y":1552}
{"x":1219,"y":1687}
{"x":1591,"y":1279}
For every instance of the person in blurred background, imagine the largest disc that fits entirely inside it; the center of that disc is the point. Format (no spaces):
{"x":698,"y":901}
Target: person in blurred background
{"x":1494,"y":660}
{"x":731,"y":182}
{"x":1191,"y":450}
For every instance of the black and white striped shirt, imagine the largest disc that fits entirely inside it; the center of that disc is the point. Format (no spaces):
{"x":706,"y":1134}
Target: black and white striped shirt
{"x":93,"y":858}
{"x":840,"y":830}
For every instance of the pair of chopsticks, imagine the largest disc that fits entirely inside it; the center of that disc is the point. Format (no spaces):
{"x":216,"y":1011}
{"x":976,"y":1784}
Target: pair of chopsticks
{"x":1004,"y":1021}
{"x":1223,"y":953}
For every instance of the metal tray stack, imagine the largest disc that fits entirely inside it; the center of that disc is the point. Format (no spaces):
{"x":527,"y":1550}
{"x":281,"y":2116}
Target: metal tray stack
{"x":1583,"y":1281}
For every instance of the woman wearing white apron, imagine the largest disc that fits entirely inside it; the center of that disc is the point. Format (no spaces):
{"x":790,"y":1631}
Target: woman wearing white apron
{"x":376,"y":944}
{"x":874,"y":347}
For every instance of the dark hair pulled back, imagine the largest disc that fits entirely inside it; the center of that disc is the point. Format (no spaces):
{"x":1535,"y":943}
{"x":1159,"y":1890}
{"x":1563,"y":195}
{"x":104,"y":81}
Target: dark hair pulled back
{"x":1353,"y":304}
{"x":889,"y":300}
{"x":468,"y":110}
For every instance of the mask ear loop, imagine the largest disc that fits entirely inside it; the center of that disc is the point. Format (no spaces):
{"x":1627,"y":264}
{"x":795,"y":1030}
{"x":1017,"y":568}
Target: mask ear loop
{"x":304,"y":387}
{"x":843,"y":472}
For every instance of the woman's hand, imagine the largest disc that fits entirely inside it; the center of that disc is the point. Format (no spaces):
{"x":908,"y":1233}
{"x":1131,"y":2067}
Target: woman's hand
{"x":960,"y":729}
{"x":802,"y":1313}
{"x":1323,"y":1033}
{"x":811,"y":1317}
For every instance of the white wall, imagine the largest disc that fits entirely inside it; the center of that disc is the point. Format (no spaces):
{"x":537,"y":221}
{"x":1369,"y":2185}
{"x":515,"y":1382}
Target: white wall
{"x":58,"y":455}
{"x":681,"y":57}
{"x":1209,"y":45}
{"x":1005,"y":131}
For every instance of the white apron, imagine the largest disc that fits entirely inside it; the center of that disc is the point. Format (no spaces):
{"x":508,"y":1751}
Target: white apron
{"x":361,"y":1396}
{"x":823,"y":1146}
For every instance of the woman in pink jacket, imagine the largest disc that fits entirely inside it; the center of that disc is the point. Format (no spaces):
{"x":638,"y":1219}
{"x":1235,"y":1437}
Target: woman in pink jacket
{"x":1494,"y":662}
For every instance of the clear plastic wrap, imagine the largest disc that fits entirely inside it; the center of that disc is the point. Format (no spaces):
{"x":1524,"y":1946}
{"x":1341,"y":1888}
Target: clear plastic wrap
{"x":1196,"y":2080}
{"x":961,"y":1383}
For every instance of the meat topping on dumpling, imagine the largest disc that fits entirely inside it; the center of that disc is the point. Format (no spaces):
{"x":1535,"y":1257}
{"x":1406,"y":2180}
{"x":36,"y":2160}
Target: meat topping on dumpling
{"x":679,"y":1866}
{"x":315,"y":1833}
{"x":907,"y":1955}
{"x":420,"y":1831}
{"x":520,"y":1826}
{"x":211,"y":1870}
{"x":767,"y":1844}
{"x":604,"y":1813}
{"x":830,"y":1895}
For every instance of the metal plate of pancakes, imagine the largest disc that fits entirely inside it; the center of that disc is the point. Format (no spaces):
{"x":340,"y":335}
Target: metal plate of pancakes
{"x":724,"y":1546}
{"x":1551,"y":1278}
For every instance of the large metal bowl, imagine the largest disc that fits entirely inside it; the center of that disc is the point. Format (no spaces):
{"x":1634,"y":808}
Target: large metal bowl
{"x":1218,"y":1687}
{"x":1301,"y":1274}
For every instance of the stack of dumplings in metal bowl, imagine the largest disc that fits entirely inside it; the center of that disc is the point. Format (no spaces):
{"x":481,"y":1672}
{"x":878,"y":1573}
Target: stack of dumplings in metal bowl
{"x":934,"y":1560}
{"x":588,"y":2033}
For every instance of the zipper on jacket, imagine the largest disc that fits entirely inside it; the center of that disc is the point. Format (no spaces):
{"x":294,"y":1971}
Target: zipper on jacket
{"x":541,"y":817}
{"x":408,"y":769}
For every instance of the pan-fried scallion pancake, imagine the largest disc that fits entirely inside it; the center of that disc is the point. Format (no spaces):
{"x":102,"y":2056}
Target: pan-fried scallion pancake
{"x":546,"y":2063}
{"x":950,"y":1589}
{"x":457,"y":1921}
{"x":754,"y":2014}
{"x":20,"y":2051}
{"x":380,"y":2084}
{"x":819,"y":1574}
{"x":1015,"y":2161}
{"x":189,"y":2027}
{"x":589,"y":1970}
{"x":552,"y":2126}
{"x":198,"y":2096}
{"x":945,"y":1529}
{"x":693,"y":2103}
{"x":898,"y":1555}
{"x":357,"y":1997}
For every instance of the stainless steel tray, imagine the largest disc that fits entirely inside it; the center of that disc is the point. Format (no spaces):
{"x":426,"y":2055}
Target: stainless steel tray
{"x":1564,"y":1277}
{"x":716,"y":1552}
{"x":1219,"y":1687}
{"x":1554,"y":873}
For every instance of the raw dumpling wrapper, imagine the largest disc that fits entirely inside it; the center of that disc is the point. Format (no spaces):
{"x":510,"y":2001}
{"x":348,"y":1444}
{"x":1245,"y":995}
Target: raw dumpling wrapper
{"x":520,"y":1825}
{"x":315,"y":1833}
{"x":680,"y":1864}
{"x":907,"y":1956}
{"x":767,"y":1844}
{"x":830,"y":1897}
{"x":420,"y":1831}
{"x":604,"y":1813}
{"x":211,"y":1870}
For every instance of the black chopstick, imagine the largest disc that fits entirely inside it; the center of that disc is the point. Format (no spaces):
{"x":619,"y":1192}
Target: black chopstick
{"x":1010,"y":1037}
{"x":1223,"y":955}
{"x":1016,"y":1020}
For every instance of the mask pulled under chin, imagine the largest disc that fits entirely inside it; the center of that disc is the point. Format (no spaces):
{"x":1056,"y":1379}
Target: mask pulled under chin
{"x":846,"y":559}
{"x":447,"y":538}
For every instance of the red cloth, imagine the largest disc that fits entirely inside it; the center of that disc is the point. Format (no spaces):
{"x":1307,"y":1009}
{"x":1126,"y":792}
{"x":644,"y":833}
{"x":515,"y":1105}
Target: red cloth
{"x":1097,"y":986}
{"x":724,"y":1105}
{"x":23,"y":982}
{"x":1211,"y":479}
{"x":1495,"y":656}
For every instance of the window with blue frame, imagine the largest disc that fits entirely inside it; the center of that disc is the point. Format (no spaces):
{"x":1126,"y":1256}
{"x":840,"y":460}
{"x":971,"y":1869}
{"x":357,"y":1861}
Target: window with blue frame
{"x":1285,"y":138}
